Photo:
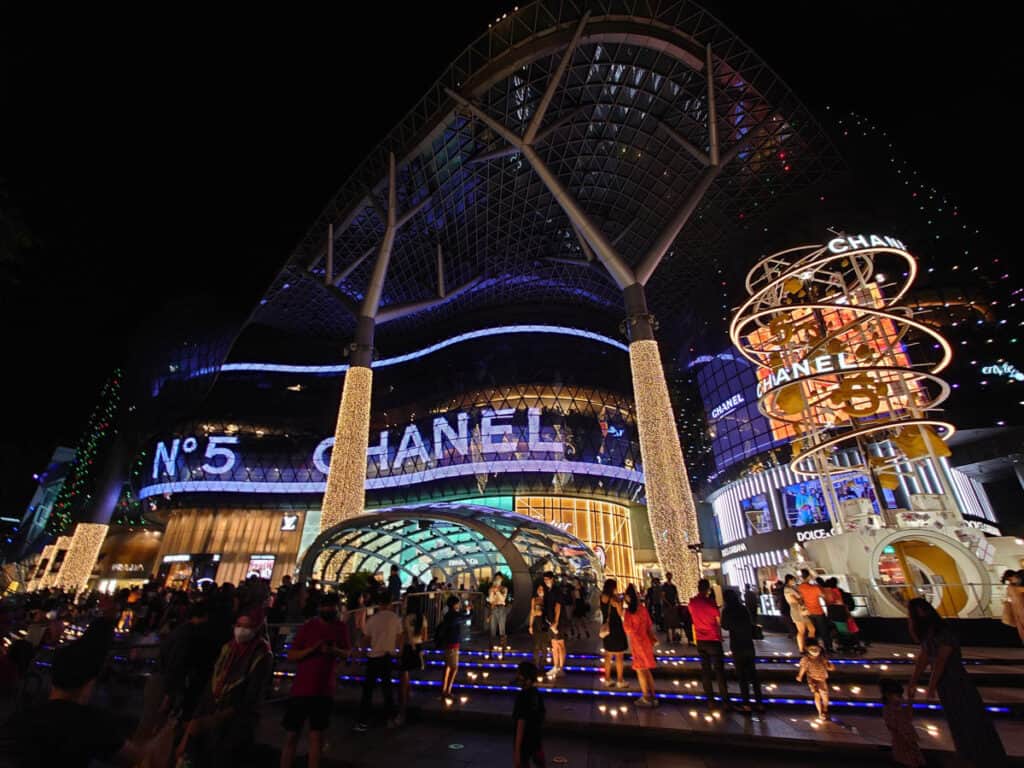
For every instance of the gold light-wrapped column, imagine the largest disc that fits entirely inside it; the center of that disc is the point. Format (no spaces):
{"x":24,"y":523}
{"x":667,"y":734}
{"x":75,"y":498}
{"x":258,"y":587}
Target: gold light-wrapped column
{"x":50,"y":578}
{"x":670,"y":507}
{"x":81,"y":557}
{"x":45,"y":556}
{"x":346,"y":478}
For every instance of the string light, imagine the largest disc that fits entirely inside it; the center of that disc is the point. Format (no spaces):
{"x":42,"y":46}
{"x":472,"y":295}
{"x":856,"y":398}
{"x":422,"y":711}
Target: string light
{"x":346,"y":478}
{"x":670,"y":507}
{"x":83,"y":549}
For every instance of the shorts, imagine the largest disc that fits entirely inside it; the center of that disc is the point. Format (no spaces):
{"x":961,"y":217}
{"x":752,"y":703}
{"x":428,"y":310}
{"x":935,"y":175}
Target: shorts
{"x":316,"y":709}
{"x":451,"y":656}
{"x":817,"y":686}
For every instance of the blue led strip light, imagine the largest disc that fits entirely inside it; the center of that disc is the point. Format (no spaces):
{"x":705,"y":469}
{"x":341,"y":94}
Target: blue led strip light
{"x":499,"y":688}
{"x":412,"y":478}
{"x":383,"y":363}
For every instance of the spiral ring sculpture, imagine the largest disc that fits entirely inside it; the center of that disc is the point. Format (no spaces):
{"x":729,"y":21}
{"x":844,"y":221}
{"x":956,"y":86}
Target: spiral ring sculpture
{"x":840,"y":359}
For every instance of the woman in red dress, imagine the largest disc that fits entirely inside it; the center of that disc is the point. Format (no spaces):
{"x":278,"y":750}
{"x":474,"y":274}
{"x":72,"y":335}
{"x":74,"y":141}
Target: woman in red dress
{"x":640,"y":631}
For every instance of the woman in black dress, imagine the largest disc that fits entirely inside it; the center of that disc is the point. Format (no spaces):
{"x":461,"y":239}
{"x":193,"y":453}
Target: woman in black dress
{"x":614,"y":636}
{"x":974,"y":735}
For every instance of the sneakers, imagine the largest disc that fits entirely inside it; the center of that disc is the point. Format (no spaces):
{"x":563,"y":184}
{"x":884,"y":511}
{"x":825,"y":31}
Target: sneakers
{"x":361,"y":728}
{"x":622,"y":684}
{"x":606,"y":682}
{"x":643,"y":701}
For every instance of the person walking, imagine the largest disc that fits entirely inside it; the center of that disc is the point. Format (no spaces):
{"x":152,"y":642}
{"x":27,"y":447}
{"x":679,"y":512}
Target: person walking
{"x":897,"y":716}
{"x":395,"y":585}
{"x":815,"y":666}
{"x":538,"y":626}
{"x":737,"y":621}
{"x":642,"y":638}
{"x":613,"y":636}
{"x":315,"y":650}
{"x":497,"y":599}
{"x":414,"y":627}
{"x":384,"y":631}
{"x":974,"y":735}
{"x":814,"y":602}
{"x":798,"y":613}
{"x":223,"y":731}
{"x":528,"y":716}
{"x":707,"y":628}
{"x":447,"y":638}
{"x":557,"y":617}
{"x":580,"y":610}
{"x":670,"y":609}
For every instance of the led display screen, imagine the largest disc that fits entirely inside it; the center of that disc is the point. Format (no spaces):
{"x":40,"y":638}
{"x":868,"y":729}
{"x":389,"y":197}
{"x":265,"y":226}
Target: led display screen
{"x":757,"y":513}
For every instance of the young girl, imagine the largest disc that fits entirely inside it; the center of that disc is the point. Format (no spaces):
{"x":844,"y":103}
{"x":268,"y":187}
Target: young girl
{"x":816,"y":666}
{"x":896,"y":714}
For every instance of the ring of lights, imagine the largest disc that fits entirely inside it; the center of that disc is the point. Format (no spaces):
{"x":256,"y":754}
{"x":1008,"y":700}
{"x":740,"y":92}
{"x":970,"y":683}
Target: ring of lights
{"x":768,"y":407}
{"x":827,"y":445}
{"x":831,"y":345}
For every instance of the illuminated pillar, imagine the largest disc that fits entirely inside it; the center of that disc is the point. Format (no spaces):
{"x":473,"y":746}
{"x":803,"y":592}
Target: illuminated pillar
{"x":670,"y":507}
{"x":83,"y":550}
{"x":50,"y":578}
{"x":46,"y":557}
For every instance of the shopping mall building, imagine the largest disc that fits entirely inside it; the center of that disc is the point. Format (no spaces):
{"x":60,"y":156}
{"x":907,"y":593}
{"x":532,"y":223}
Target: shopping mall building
{"x":462,"y":367}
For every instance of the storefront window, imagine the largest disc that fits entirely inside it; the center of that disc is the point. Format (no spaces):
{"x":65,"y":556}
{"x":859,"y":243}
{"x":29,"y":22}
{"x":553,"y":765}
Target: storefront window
{"x":601,"y":525}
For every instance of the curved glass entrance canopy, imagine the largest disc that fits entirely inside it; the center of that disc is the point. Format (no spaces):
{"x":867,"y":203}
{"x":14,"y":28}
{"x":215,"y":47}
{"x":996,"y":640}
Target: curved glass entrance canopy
{"x":453,"y":542}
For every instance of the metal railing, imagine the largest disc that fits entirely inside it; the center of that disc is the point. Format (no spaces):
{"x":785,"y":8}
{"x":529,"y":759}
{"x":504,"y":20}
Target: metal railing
{"x":963,"y":600}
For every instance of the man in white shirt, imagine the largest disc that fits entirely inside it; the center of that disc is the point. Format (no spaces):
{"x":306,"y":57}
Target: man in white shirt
{"x":497,"y":598}
{"x":384,"y":631}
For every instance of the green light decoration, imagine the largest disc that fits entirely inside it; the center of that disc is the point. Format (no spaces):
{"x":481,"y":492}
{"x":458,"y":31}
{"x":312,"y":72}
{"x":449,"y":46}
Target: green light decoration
{"x":76,"y":495}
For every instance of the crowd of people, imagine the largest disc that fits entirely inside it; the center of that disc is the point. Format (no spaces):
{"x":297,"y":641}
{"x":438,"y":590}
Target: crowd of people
{"x":216,"y":648}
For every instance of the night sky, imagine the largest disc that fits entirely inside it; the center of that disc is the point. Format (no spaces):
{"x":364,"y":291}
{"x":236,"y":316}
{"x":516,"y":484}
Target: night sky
{"x":151,"y":158}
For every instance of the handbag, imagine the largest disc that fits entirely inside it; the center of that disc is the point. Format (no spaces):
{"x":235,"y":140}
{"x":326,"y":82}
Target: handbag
{"x":757,"y":633}
{"x":604,"y":631}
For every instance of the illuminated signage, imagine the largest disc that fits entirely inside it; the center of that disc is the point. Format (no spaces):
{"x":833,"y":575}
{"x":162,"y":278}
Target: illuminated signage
{"x":734,"y":549}
{"x":289,"y":522}
{"x":1004,"y":369}
{"x":804,"y":368}
{"x":813,"y":535}
{"x":858,"y":242}
{"x":486,"y":441}
{"x":723,"y":408}
{"x":127,"y":568}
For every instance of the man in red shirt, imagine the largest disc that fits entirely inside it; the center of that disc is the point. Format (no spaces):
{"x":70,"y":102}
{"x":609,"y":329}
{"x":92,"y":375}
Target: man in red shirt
{"x":708,"y":632}
{"x":814,"y":599}
{"x":316,"y":648}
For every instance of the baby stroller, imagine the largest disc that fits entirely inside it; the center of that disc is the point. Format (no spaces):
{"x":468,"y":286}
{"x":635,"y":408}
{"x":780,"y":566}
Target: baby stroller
{"x":847,"y":634}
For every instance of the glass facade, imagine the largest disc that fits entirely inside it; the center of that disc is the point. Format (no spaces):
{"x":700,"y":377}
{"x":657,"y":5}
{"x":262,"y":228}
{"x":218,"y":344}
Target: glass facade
{"x":601,"y":525}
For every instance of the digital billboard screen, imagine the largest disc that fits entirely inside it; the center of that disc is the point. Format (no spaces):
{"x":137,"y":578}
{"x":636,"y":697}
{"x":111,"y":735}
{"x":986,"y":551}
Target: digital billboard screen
{"x":757,"y":513}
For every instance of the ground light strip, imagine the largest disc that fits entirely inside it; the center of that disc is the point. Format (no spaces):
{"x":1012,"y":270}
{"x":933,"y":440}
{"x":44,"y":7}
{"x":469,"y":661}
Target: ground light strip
{"x":499,"y":688}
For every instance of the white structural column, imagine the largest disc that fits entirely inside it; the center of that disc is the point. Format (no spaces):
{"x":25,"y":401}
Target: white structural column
{"x":345,"y":494}
{"x":670,"y":507}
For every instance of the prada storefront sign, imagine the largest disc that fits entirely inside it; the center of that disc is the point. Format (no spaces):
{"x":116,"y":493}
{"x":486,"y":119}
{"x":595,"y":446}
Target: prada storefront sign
{"x":775,"y":540}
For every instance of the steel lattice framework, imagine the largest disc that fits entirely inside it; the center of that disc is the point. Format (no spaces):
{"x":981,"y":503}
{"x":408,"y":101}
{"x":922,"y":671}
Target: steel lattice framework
{"x":647,"y":114}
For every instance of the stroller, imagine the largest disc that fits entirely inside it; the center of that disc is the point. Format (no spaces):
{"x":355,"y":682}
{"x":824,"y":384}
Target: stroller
{"x":847,"y":635}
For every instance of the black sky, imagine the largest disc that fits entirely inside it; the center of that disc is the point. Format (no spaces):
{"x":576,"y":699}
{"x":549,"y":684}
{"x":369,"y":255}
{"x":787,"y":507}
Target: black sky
{"x":150,"y":157}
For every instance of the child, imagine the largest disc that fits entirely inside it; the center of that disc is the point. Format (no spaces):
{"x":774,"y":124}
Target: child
{"x":528,"y":715}
{"x":816,"y":666}
{"x":896,"y":714}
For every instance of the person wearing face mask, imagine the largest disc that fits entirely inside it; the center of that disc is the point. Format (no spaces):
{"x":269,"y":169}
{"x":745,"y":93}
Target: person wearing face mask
{"x":223,"y":731}
{"x":316,"y":648}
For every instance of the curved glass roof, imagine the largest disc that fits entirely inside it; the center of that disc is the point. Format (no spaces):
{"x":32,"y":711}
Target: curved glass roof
{"x":450,"y":538}
{"x":626,"y":132}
